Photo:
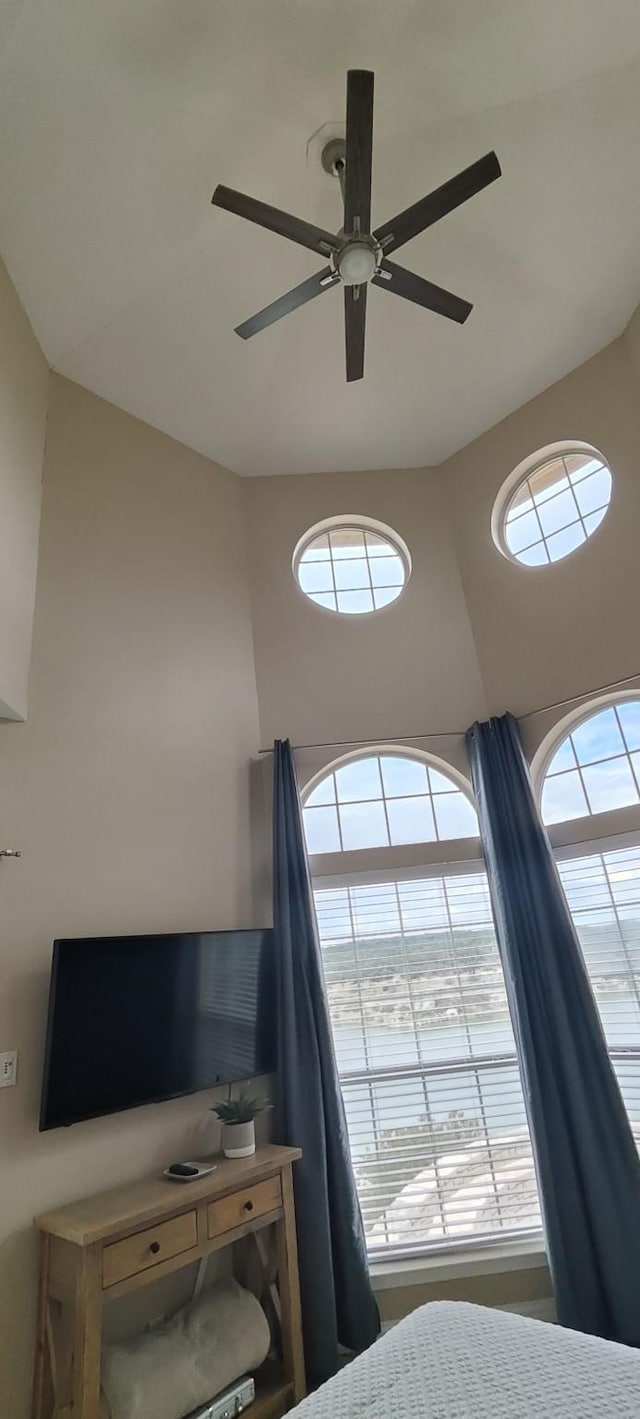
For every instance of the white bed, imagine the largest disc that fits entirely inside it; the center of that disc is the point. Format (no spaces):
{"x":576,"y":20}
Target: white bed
{"x":450,"y":1360}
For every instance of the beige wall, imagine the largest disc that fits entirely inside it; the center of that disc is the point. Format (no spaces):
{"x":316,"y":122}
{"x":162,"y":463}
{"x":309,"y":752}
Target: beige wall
{"x":127,"y":790}
{"x":474,"y":633}
{"x":631,"y":340}
{"x":23,"y":411}
{"x":544,"y":634}
{"x":511,"y":1289}
{"x":410,"y":669}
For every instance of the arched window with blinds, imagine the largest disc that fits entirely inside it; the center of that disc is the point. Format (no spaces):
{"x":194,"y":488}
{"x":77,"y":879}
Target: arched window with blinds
{"x":590,"y":791}
{"x":423,"y":1038}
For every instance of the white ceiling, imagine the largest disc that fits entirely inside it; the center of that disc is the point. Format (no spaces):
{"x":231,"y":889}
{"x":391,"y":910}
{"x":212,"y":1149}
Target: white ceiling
{"x":118,"y":118}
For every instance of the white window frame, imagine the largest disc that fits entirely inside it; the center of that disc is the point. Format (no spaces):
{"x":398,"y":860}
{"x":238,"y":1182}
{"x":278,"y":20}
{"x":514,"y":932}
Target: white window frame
{"x":530,"y":465}
{"x":595,"y":833}
{"x":599,"y":845}
{"x":437,"y":850}
{"x":409,"y":862}
{"x":604,"y":828}
{"x":555,"y":737}
{"x":357,"y":523}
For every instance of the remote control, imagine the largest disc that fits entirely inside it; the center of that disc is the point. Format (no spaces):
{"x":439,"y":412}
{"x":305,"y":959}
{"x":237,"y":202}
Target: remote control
{"x":188,"y":1172}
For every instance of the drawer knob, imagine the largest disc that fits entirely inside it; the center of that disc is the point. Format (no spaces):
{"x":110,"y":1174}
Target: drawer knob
{"x":248,"y":1207}
{"x":154,"y":1248}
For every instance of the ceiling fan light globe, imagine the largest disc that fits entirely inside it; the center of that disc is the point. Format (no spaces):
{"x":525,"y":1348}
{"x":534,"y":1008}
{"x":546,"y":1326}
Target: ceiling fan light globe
{"x":356,"y":263}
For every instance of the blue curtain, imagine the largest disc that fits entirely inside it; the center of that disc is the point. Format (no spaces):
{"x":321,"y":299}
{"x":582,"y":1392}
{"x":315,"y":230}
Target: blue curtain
{"x":338,"y":1305}
{"x":586,"y":1160}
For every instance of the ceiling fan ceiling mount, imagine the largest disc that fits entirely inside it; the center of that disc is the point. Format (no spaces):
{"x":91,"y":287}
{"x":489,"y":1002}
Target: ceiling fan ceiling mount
{"x":334,"y":157}
{"x":358,"y":256}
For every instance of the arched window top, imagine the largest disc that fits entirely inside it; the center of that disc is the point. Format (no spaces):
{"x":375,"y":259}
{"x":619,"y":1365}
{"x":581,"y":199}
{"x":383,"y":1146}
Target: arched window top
{"x":551,"y":503}
{"x":385,"y":799}
{"x":596,"y":765}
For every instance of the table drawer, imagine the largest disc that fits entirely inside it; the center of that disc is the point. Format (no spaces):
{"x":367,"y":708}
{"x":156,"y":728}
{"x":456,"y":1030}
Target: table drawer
{"x":243,"y":1206}
{"x":144,"y":1249}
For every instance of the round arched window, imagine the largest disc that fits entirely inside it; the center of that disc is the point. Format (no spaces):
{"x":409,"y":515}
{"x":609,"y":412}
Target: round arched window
{"x":551,"y":504}
{"x":596,"y":766}
{"x":383,"y":800}
{"x":351,"y":565}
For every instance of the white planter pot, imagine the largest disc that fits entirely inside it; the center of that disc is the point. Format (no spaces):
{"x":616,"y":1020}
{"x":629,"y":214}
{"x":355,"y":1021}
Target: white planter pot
{"x":238,"y":1139}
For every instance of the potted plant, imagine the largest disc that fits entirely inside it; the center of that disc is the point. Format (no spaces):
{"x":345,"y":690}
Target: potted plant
{"x":237,"y":1117}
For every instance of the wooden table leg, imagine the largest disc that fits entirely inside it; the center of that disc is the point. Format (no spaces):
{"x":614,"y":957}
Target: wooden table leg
{"x":87,"y":1335}
{"x":287,"y":1244}
{"x":40,"y":1358}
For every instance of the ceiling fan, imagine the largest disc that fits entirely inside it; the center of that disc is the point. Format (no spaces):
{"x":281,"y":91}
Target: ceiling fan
{"x":357,"y":255}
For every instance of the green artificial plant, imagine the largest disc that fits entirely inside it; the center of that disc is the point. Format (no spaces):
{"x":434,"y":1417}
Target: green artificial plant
{"x":241,"y":1110}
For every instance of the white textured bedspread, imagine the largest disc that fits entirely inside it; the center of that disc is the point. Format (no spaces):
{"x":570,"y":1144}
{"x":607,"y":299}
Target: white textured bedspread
{"x":450,"y":1360}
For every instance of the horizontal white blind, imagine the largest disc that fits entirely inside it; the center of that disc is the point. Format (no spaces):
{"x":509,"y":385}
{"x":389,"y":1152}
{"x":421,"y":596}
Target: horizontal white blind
{"x":603,"y":893}
{"x":426,"y":1056}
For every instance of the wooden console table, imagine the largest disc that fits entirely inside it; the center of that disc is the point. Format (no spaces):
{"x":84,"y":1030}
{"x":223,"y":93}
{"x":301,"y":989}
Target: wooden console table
{"x":116,"y":1242}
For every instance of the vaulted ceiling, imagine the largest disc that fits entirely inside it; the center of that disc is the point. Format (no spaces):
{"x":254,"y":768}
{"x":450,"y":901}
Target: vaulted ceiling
{"x":118,"y":118}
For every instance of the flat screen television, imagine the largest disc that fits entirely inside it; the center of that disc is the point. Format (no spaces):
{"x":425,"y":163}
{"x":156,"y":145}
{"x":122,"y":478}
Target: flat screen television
{"x":137,"y":1019}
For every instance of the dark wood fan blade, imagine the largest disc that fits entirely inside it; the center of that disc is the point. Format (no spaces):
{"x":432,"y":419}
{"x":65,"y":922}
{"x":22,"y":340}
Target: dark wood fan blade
{"x":415,"y":288}
{"x":357,"y":182}
{"x":437,"y":204}
{"x":355,"y":315}
{"x":274,"y":220}
{"x":290,"y":301}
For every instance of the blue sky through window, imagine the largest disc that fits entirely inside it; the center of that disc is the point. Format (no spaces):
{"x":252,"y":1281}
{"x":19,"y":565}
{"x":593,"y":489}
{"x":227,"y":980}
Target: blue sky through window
{"x":556,"y":508}
{"x":351,"y":570}
{"x":383,"y":800}
{"x":596,"y":768}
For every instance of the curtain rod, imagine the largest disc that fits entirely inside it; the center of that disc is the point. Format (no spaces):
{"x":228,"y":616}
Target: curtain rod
{"x":457,"y":733}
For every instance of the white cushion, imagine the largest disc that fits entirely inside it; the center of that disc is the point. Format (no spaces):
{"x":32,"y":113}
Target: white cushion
{"x":182,"y":1363}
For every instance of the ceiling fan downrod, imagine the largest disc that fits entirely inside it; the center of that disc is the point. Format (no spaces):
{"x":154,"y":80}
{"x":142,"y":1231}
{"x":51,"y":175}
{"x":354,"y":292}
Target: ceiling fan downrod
{"x":334,"y":160}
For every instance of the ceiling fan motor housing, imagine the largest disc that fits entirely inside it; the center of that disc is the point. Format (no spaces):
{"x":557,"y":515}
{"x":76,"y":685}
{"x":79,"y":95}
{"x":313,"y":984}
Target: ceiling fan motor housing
{"x":357,"y":260}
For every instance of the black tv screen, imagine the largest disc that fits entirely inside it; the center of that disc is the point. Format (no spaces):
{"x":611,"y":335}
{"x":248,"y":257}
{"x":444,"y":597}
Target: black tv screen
{"x":136,"y":1019}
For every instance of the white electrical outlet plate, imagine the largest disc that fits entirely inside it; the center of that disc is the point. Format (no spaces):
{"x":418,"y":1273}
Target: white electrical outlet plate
{"x":8,"y":1068}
